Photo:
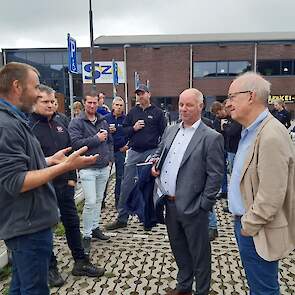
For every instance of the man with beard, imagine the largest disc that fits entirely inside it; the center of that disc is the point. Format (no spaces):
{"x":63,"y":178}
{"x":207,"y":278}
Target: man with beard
{"x":90,"y":129}
{"x":27,"y":201}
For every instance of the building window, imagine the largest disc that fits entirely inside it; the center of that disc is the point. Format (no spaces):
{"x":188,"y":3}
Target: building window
{"x":269,"y":67}
{"x":220,"y":68}
{"x":287,"y":67}
{"x":204,"y":69}
{"x":53,"y":57}
{"x":35,"y":57}
{"x":16,"y":56}
{"x":238,"y":67}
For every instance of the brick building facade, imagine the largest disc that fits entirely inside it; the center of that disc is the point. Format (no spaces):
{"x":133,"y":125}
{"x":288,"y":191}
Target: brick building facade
{"x":171,"y":63}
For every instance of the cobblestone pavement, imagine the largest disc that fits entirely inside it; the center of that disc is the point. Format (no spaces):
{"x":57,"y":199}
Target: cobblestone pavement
{"x":139,"y":262}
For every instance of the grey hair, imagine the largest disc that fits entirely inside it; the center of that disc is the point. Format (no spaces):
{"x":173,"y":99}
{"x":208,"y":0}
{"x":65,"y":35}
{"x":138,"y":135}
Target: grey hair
{"x":118,"y":98}
{"x":46,"y":89}
{"x":255,"y":82}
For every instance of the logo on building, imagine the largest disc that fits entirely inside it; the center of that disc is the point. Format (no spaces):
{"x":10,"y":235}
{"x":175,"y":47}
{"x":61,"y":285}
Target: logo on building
{"x":285,"y":98}
{"x":103,"y":72}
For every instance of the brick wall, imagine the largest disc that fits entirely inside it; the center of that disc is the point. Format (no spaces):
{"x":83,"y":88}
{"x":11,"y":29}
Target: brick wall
{"x":168,"y":67}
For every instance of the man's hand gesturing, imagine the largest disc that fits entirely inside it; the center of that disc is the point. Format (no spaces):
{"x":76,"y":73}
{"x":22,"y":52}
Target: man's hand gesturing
{"x":77,"y":161}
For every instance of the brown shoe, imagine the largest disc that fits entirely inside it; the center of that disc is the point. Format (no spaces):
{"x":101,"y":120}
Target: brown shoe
{"x":175,"y":292}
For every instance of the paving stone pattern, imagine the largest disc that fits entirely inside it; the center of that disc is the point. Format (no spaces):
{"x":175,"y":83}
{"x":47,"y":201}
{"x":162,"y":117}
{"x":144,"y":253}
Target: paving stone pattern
{"x":141,"y":263}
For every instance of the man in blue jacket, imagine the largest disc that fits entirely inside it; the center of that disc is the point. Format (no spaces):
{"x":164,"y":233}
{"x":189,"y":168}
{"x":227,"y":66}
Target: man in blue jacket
{"x":92,"y":130}
{"x":115,"y":120}
{"x":53,"y":135}
{"x":27,"y":201}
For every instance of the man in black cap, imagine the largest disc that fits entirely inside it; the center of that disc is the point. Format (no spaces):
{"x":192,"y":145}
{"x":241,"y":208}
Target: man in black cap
{"x":144,"y":126}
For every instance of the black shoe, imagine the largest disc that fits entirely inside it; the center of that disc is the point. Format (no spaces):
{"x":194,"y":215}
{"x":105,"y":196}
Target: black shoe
{"x":54,"y":278}
{"x":115,"y":225}
{"x":213,"y":234}
{"x":221,"y":196}
{"x":147,"y":228}
{"x":86,"y":242}
{"x":98,"y":234}
{"x":84,"y":267}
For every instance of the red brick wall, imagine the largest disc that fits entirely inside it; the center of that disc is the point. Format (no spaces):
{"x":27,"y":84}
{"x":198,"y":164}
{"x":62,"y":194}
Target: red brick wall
{"x":168,"y":67}
{"x":275,"y":51}
{"x":223,"y":52}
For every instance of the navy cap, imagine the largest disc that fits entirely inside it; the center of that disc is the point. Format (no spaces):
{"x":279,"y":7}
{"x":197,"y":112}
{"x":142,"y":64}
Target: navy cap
{"x":142,"y":87}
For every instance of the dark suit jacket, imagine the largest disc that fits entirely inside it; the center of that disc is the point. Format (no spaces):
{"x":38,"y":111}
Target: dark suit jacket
{"x":201,"y":170}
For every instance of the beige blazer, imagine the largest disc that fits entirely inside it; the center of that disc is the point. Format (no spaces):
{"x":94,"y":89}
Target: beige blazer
{"x":268,"y":191}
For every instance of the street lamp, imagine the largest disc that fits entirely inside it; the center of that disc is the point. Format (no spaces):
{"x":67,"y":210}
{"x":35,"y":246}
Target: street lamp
{"x":91,"y":51}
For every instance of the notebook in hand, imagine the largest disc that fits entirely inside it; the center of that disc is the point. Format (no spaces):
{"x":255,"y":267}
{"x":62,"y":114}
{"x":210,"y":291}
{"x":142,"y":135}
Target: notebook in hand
{"x":162,"y":158}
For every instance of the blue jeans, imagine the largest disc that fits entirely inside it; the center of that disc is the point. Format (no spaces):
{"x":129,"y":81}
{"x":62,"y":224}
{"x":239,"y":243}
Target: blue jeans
{"x":30,"y":262}
{"x":119,"y":164}
{"x":262,"y":275}
{"x":93,"y":183}
{"x":212,"y":219}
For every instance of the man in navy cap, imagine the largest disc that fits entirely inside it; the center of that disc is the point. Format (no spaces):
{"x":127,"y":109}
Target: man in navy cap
{"x":143,"y":126}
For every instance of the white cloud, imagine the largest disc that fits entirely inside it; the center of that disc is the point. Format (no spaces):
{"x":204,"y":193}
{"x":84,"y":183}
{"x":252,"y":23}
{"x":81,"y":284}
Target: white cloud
{"x":34,"y":23}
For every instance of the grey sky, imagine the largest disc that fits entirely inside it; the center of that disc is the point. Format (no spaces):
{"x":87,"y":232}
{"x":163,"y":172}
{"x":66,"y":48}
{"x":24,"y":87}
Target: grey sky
{"x":45,"y":23}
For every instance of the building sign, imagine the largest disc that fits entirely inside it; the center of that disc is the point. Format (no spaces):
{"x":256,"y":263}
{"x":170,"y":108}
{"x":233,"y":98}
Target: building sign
{"x":72,"y":55}
{"x":285,"y":98}
{"x":103,"y":72}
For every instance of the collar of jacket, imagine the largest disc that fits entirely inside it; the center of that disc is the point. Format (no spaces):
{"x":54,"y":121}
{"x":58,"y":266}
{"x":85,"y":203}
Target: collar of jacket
{"x":121,"y":116}
{"x":85,"y":118}
{"x":7,"y":109}
{"x":42,"y":118}
{"x":151,"y":106}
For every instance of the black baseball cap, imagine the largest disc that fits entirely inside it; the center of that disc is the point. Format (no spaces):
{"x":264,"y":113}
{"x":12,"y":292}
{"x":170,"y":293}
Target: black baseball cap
{"x":142,"y":87}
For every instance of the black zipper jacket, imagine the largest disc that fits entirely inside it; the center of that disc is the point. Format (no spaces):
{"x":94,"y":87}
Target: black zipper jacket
{"x":148,"y":137}
{"x":53,"y":136}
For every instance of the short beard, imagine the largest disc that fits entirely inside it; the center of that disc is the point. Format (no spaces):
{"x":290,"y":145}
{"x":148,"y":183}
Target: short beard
{"x":26,"y":109}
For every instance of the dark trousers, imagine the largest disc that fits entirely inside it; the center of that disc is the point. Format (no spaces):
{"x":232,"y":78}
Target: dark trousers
{"x":30,"y":263}
{"x":119,"y":164}
{"x":224,"y":180}
{"x":262,"y":275}
{"x":70,"y":220}
{"x":189,"y":240}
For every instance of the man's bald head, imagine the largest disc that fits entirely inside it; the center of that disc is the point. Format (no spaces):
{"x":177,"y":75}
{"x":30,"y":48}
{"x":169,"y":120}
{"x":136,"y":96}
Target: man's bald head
{"x":198,"y":95}
{"x":190,"y":106}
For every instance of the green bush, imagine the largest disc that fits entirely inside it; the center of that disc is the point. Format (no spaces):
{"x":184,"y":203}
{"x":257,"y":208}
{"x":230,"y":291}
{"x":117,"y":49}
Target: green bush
{"x":5,"y":272}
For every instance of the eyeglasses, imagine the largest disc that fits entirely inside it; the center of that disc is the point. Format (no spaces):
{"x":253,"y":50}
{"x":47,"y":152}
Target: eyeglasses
{"x":232,"y":95}
{"x":118,"y":105}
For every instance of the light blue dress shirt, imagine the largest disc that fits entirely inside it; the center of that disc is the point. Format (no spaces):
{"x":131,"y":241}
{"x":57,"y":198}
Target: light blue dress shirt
{"x":235,"y":202}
